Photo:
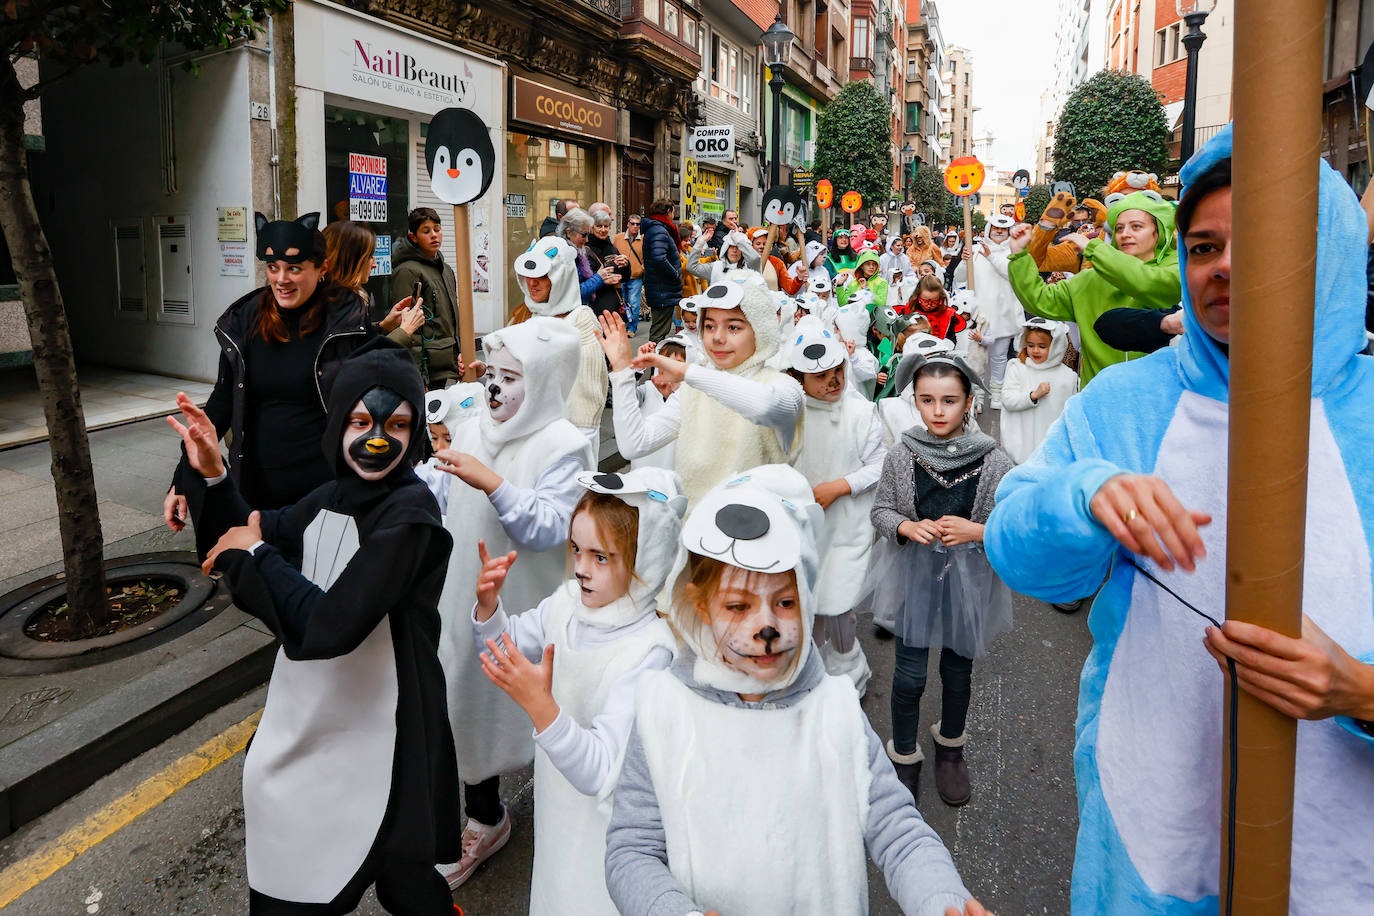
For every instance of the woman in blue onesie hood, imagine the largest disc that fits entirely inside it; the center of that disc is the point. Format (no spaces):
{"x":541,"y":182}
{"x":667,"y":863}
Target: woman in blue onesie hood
{"x":1149,"y":734}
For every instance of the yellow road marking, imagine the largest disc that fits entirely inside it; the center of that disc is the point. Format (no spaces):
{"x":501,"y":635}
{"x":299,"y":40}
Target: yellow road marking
{"x":28,"y":873}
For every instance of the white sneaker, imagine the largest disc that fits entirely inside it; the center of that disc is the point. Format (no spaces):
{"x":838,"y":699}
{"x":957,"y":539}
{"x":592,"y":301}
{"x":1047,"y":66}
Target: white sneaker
{"x":480,"y":843}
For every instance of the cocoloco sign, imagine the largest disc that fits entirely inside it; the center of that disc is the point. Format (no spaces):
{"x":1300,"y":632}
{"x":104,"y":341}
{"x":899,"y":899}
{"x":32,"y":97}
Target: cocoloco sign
{"x":535,"y":103}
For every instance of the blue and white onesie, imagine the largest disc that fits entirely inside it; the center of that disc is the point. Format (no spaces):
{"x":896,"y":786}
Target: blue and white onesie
{"x":1149,"y":733}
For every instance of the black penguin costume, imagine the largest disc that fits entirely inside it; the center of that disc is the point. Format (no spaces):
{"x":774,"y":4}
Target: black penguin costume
{"x":351,"y":778}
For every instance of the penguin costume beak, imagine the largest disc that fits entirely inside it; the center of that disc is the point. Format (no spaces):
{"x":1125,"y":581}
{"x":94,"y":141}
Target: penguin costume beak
{"x":378,"y":446}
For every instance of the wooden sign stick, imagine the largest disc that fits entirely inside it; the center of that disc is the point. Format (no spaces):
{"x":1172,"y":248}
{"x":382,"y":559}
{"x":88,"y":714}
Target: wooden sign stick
{"x":968,"y":241}
{"x":462,"y":254}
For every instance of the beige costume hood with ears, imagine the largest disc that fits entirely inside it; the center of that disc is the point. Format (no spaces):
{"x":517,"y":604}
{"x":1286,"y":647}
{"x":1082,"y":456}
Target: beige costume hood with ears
{"x":554,"y":258}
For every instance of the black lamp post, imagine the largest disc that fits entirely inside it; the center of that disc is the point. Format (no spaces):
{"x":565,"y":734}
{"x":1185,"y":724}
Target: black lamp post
{"x":1194,"y":13}
{"x":777,"y":47}
{"x":908,"y":163}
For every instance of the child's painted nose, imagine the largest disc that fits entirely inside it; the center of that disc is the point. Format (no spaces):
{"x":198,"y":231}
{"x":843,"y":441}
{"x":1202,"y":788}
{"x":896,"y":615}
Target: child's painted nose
{"x":378,"y":446}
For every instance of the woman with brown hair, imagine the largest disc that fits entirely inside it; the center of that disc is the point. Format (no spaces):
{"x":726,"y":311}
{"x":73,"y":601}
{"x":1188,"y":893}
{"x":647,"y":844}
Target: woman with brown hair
{"x":280,"y":346}
{"x":348,"y":248}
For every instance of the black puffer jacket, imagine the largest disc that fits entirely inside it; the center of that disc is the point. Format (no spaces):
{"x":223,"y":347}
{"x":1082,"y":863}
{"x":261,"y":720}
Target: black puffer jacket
{"x":345,"y":329}
{"x":662,"y":265}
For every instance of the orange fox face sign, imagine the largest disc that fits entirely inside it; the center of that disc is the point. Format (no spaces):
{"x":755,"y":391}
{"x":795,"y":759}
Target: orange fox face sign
{"x":851,"y":202}
{"x":964,"y":176}
{"x":825,"y":194}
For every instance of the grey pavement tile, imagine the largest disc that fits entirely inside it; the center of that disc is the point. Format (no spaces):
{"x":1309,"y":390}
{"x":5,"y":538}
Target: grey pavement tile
{"x":39,"y":543}
{"x":12,"y":481}
{"x":130,"y":490}
{"x":26,"y":507}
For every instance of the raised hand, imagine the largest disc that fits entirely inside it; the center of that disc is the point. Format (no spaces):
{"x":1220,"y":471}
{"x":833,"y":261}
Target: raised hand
{"x":619,"y":351}
{"x":490,"y":580}
{"x":1058,"y":210}
{"x":529,"y":685}
{"x":1020,"y":237}
{"x":200,"y":438}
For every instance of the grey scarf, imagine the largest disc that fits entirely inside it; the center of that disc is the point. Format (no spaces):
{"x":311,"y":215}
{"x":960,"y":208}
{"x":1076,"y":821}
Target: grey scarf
{"x":943,"y":455}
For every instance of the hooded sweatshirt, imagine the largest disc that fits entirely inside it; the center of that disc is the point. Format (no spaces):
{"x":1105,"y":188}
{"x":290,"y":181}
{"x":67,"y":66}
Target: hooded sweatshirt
{"x":926,"y":249}
{"x":555,"y":258}
{"x":347,"y":579}
{"x":601,"y":655}
{"x":1117,"y":280}
{"x":813,"y":261}
{"x":1149,"y":726}
{"x":1000,"y":306}
{"x":538,"y":454}
{"x":433,"y":346}
{"x":696,"y":817}
{"x":876,"y":284}
{"x":895,"y":259}
{"x":712,"y":271}
{"x":1025,"y":422}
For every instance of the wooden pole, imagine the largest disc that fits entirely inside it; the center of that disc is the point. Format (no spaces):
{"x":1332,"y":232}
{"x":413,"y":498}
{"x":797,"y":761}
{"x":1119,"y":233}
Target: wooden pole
{"x":968,"y":240}
{"x":462,"y":253}
{"x":1277,"y":81}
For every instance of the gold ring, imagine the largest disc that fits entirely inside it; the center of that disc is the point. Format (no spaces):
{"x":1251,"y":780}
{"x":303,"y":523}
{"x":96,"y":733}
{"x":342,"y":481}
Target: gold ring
{"x":1130,"y":516}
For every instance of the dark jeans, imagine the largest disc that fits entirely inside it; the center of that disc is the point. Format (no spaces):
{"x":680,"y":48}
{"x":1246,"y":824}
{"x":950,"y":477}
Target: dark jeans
{"x":909,"y":682}
{"x":482,"y":801}
{"x":662,"y":324}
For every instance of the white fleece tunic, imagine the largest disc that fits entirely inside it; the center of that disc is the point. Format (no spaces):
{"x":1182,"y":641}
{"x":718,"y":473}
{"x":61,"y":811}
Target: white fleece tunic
{"x":595,"y":674}
{"x":1025,"y":422}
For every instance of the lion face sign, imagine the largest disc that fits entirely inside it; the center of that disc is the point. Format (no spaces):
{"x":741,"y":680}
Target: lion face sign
{"x":851,"y":202}
{"x":825,"y":194}
{"x":964,"y":176}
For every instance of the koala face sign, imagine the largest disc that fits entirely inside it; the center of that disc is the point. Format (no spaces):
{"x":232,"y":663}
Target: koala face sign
{"x":783,"y":205}
{"x":964,"y":176}
{"x":1065,"y":187}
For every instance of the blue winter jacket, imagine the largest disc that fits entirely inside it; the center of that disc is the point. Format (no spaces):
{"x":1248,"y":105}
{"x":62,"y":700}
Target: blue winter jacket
{"x":1147,"y":758}
{"x":662,"y":265}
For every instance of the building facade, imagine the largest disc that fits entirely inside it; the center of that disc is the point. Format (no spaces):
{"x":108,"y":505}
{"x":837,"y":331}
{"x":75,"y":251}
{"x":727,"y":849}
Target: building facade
{"x":959,"y":102}
{"x":818,"y":65}
{"x":923,"y":98}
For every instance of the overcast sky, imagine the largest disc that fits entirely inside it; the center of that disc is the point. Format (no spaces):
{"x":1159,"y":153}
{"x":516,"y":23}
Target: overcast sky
{"x":1013,"y":51}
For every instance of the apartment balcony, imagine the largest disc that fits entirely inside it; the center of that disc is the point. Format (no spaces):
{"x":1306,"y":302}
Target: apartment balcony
{"x":861,"y":65}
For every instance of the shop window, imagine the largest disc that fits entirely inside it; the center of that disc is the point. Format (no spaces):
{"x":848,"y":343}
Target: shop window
{"x":348,"y":131}
{"x":539,"y":171}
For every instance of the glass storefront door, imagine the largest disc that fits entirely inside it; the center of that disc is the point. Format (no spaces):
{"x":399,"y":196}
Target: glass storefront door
{"x":542,"y":170}
{"x":346,"y":131}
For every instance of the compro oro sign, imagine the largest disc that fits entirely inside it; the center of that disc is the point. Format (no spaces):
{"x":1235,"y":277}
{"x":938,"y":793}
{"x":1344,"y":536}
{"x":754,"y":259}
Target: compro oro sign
{"x":712,"y":144}
{"x":535,"y":103}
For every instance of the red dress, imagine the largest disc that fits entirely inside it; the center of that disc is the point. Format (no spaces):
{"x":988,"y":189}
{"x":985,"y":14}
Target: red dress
{"x":944,"y":321}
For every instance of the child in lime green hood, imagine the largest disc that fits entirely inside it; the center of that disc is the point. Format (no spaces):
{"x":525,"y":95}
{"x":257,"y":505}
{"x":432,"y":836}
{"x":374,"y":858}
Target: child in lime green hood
{"x":1130,"y":273}
{"x":869,"y":277}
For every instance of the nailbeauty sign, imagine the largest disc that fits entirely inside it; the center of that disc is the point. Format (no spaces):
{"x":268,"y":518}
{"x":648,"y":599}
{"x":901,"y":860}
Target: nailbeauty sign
{"x":402,"y":72}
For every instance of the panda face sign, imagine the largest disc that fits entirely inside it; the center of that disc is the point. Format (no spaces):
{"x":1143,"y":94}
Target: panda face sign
{"x":459,"y":155}
{"x":783,"y":205}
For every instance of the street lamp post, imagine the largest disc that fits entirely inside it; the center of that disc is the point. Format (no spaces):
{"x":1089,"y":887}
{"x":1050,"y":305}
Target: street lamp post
{"x":1194,"y":13}
{"x":777,"y":46}
{"x":908,"y":161}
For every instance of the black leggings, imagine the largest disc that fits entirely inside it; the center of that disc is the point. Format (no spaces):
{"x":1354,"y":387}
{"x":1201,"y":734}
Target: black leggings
{"x":482,"y":801}
{"x":909,"y":683}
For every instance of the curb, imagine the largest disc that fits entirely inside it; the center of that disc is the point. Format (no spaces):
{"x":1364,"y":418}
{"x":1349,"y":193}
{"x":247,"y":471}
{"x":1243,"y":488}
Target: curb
{"x":63,"y":758}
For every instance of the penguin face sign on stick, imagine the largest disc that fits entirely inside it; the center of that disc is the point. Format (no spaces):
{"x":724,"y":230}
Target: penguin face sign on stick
{"x":459,"y":155}
{"x":783,"y":205}
{"x":378,"y":433}
{"x":1021,"y":179}
{"x":964,"y":176}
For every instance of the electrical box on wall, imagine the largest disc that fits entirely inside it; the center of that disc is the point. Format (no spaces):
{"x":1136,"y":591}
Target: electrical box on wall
{"x":131,"y":294}
{"x":174,"y":262}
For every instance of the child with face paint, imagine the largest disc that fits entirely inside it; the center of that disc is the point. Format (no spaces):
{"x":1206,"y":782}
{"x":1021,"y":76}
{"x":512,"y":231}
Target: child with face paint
{"x":752,"y":781}
{"x":852,"y":323}
{"x":516,"y":489}
{"x":446,"y":409}
{"x":841,"y":456}
{"x":688,"y":314}
{"x":350,"y":779}
{"x":572,"y":664}
{"x":547,"y":273}
{"x":736,"y":413}
{"x":1037,"y":386}
{"x":931,"y":583}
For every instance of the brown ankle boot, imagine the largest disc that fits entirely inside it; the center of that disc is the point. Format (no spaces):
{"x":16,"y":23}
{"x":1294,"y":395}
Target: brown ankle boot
{"x":908,"y":767}
{"x":951,"y":772}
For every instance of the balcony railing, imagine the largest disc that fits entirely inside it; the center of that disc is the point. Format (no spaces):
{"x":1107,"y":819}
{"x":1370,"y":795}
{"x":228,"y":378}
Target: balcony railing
{"x":861,"y":63}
